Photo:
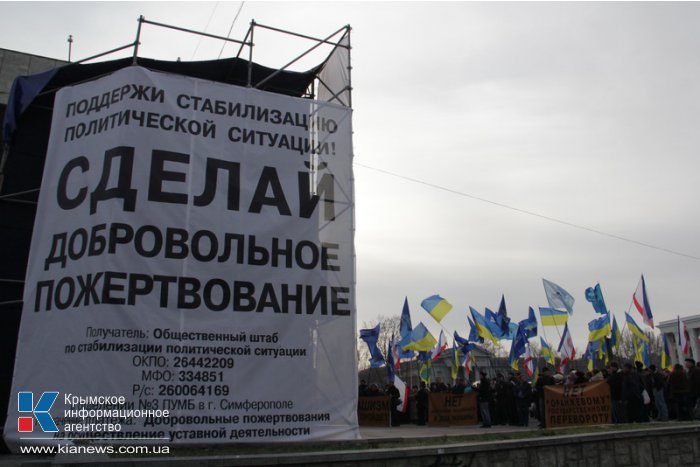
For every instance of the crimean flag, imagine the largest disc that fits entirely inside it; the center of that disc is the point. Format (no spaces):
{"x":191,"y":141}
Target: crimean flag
{"x":464,"y":352}
{"x":616,"y":337}
{"x":396,"y":353}
{"x":665,"y":354}
{"x":557,"y":297}
{"x":405,"y":329}
{"x":547,"y":352}
{"x":641,"y":303}
{"x":552,"y":317}
{"x":529,"y":363}
{"x":634,"y":329}
{"x":482,"y":327}
{"x":403,"y":390}
{"x":421,"y":339}
{"x":467,"y":364}
{"x":566,"y":349}
{"x":436,"y":306}
{"x":436,"y":351}
{"x":595,"y":296}
{"x":599,"y":328}
{"x":682,"y":339}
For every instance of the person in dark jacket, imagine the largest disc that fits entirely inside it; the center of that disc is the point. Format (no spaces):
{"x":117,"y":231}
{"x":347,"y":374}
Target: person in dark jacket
{"x":502,"y":392}
{"x":617,"y":396}
{"x":678,"y":389}
{"x":484,"y":395}
{"x":693,"y":386}
{"x":633,"y":393}
{"x":658,"y":387}
{"x":395,"y":394}
{"x":523,"y":395}
{"x":545,"y":379}
{"x":422,"y":403}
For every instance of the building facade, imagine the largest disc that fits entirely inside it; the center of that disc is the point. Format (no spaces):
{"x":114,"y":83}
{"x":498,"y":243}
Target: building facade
{"x":670,"y":330}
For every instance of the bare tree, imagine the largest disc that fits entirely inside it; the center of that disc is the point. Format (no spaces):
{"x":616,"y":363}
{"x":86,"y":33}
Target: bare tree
{"x":626,"y":351}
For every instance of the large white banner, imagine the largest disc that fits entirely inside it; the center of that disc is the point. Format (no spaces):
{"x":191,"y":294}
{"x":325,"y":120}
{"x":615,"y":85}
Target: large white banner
{"x":191,"y":275}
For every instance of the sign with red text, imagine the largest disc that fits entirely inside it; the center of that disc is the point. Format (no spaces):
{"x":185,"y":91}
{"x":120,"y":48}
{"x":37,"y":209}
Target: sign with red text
{"x":577,"y":404}
{"x":446,"y":409}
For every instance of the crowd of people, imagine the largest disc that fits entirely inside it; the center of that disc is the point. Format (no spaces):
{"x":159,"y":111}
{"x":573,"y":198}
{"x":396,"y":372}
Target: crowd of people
{"x":637,"y":394}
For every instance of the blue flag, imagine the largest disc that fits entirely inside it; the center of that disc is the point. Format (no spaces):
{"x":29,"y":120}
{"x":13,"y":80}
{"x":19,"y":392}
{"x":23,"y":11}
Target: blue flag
{"x":371,"y":336}
{"x":557,"y":297}
{"x":502,"y":316}
{"x":492,"y":321}
{"x":512,"y":329}
{"x":464,"y":345}
{"x":518,"y":347}
{"x":390,"y":364}
{"x":529,"y":325}
{"x":595,"y":296}
{"x":473,"y":333}
{"x":405,"y":331}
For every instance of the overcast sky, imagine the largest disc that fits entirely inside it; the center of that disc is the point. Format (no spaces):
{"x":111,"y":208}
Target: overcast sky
{"x":584,"y":112}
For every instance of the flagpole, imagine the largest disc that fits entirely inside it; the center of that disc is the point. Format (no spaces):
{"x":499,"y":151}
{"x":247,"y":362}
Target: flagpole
{"x":547,"y":339}
{"x":622,"y":335}
{"x":556,"y":326}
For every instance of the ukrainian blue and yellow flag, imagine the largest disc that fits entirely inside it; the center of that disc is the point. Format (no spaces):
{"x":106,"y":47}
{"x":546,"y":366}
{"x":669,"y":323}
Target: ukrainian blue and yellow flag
{"x":588,"y":355}
{"x":473,"y":334}
{"x":421,"y":339}
{"x":616,"y":337}
{"x":456,"y":356}
{"x":634,"y":329}
{"x":482,"y":327}
{"x":425,"y":369}
{"x":665,"y":355}
{"x":641,"y":352}
{"x":552,"y":317}
{"x":599,"y":328}
{"x":436,"y":306}
{"x":547,"y":353}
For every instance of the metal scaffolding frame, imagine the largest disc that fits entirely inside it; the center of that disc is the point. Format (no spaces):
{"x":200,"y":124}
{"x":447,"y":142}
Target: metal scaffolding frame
{"x":338,"y":40}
